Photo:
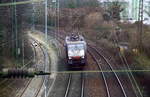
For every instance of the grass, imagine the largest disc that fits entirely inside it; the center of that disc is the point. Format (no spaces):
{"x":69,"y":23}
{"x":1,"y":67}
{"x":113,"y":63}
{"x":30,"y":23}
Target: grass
{"x":142,"y":61}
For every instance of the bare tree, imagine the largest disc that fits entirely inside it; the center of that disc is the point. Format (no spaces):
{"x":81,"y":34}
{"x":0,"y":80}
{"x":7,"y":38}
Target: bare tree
{"x":114,"y":10}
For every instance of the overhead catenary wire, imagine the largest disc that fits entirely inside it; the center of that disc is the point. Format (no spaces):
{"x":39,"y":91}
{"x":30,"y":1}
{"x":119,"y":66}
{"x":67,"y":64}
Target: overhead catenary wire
{"x":139,"y":41}
{"x":14,"y":38}
{"x":99,"y":71}
{"x":20,"y":3}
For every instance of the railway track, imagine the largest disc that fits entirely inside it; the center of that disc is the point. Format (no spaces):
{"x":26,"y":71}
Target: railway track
{"x":71,"y":81}
{"x":109,"y":67}
{"x":132,"y":80}
{"x":104,"y":78}
{"x":69,"y":86}
{"x":40,"y":68}
{"x":121,"y":89}
{"x":103,"y":75}
{"x":10,"y":83}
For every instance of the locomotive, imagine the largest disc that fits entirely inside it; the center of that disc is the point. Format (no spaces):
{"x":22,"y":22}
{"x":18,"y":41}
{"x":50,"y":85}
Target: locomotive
{"x":76,"y":49}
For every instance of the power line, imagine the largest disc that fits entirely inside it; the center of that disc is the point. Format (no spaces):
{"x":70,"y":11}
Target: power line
{"x":20,"y":3}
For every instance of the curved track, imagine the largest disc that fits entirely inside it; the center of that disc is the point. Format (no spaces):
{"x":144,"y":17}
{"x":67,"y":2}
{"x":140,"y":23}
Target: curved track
{"x":102,"y":64}
{"x":12,"y":84}
{"x":109,"y":67}
{"x":104,"y":78}
{"x":132,"y":80}
{"x":116,"y":77}
{"x":75,"y":84}
{"x":36,"y":45}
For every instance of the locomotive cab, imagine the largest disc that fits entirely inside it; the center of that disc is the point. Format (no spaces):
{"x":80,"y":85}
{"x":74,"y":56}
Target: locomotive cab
{"x":75,"y":50}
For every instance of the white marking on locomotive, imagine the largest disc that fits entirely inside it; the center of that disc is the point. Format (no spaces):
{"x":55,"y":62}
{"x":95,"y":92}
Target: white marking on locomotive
{"x":75,"y":49}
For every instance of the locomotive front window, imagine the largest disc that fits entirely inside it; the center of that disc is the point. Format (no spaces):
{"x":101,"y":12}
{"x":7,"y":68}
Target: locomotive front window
{"x":75,"y":50}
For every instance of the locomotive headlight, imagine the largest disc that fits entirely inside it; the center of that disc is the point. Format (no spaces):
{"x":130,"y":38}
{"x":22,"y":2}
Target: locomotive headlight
{"x":70,"y":53}
{"x":69,"y":57}
{"x":82,"y":53}
{"x":83,"y":57}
